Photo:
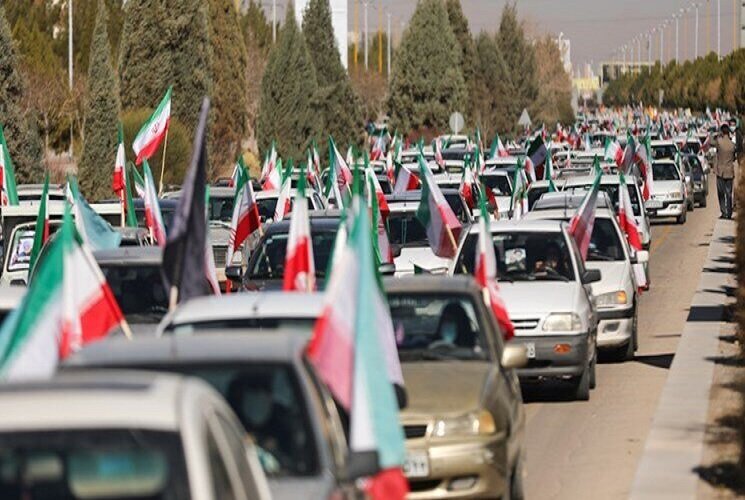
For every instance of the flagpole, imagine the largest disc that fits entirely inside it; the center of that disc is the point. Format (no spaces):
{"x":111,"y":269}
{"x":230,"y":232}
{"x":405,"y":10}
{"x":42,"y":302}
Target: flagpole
{"x":123,"y":207}
{"x":163,"y":164}
{"x":173,"y":299}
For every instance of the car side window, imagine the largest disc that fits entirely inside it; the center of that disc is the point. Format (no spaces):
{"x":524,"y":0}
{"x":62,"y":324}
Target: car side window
{"x":236,"y":445}
{"x":219,"y":475}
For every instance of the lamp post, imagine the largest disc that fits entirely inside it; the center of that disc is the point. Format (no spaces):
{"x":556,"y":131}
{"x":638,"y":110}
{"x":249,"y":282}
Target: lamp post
{"x":695,"y":37}
{"x":677,"y":53}
{"x":662,"y":45}
{"x":388,"y":53}
{"x":365,"y":4}
{"x":719,"y":28}
{"x":69,"y":63}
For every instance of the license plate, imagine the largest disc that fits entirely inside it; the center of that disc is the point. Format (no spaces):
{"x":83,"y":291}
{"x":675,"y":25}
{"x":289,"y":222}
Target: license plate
{"x":654,"y":204}
{"x":530,"y":347}
{"x":416,"y":464}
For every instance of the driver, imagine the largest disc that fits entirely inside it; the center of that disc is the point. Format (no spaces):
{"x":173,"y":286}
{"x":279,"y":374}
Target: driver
{"x":454,"y":327}
{"x":552,"y":259}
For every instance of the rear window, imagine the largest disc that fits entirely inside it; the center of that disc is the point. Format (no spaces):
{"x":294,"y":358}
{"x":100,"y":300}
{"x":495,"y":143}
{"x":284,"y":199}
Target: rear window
{"x":605,"y":245}
{"x":303,"y":323}
{"x":220,"y":209}
{"x":268,"y":261}
{"x":139,"y":290}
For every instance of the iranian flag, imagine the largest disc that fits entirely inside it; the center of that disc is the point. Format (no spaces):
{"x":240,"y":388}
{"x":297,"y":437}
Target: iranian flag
{"x":389,"y":170}
{"x":118,"y":181}
{"x":582,"y":222}
{"x":643,"y":160}
{"x":273,"y":180}
{"x":381,"y":242}
{"x":340,"y":166}
{"x":486,"y":275}
{"x":153,"y":217}
{"x":7,"y":174}
{"x":629,"y":154}
{"x":443,"y":227}
{"x":270,"y":164}
{"x":626,"y":214}
{"x":352,"y":345}
{"x":42,"y":221}
{"x":377,"y":191}
{"x":245,"y":218}
{"x":68,"y":304}
{"x":438,"y":153}
{"x":406,"y":180}
{"x":519,"y":200}
{"x":283,"y":205}
{"x":613,"y":152}
{"x":378,"y":148}
{"x":466,"y":189}
{"x":300,"y":272}
{"x":497,"y":148}
{"x":154,"y":130}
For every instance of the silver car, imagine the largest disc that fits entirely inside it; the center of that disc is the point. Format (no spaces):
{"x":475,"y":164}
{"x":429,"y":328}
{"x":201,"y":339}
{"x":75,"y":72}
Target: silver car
{"x":546,"y":289}
{"x":669,"y":192}
{"x":123,"y":434}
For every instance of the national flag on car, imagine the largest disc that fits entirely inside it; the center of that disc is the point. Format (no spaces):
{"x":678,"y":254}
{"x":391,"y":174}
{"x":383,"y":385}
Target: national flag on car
{"x":519,"y":200}
{"x":438,"y":153}
{"x":270,"y":163}
{"x":273,"y":180}
{"x":629,"y":154}
{"x":41,"y":229}
{"x":117,"y":182}
{"x":378,"y":148}
{"x":94,"y":230}
{"x":582,"y":222}
{"x":382,"y":244}
{"x":536,"y":157}
{"x":353,"y":341}
{"x":406,"y":180}
{"x":300,"y":272}
{"x":434,"y":213}
{"x":643,"y":160}
{"x":154,"y":130}
{"x":626,"y":214}
{"x":485,"y":273}
{"x":7,"y":174}
{"x":382,"y":203}
{"x":153,"y":216}
{"x":68,"y":304}
{"x":340,"y":166}
{"x":467,"y":187}
{"x":245,"y":219}
{"x":497,"y":149}
{"x":284,"y":201}
{"x":613,"y":152}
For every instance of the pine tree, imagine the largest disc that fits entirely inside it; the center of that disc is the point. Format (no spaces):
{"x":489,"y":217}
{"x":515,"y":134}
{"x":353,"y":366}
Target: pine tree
{"x":519,"y":56}
{"x":229,"y":100}
{"x":101,"y":115}
{"x":426,"y":82}
{"x":21,"y":130}
{"x":468,"y":63}
{"x":166,"y":42}
{"x":340,"y":112}
{"x":287,"y":112}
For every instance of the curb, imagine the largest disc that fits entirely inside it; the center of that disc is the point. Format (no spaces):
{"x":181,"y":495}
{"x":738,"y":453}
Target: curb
{"x":675,"y":444}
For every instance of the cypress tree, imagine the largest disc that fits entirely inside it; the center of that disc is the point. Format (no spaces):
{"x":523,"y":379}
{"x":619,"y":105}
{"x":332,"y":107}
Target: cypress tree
{"x":286,"y":108}
{"x":492,"y":88}
{"x":166,"y":42}
{"x":340,"y":113}
{"x":21,"y":132}
{"x":229,"y":101}
{"x":468,"y":63}
{"x":427,"y":81}
{"x":101,"y":116}
{"x":519,"y":56}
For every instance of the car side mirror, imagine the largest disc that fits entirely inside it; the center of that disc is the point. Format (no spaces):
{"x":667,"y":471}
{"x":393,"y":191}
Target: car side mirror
{"x":591,"y":276}
{"x":514,"y":356}
{"x":234,"y":274}
{"x":387,"y":269}
{"x":396,"y":250}
{"x":640,"y":257}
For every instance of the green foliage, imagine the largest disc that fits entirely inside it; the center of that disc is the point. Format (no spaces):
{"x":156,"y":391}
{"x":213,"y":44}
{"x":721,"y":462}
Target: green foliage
{"x":553,"y":104}
{"x":339,"y":112}
{"x":21,"y":129}
{"x":427,"y":81}
{"x":492,"y":89}
{"x":101,"y":116}
{"x":178,"y":152}
{"x":257,"y":31}
{"x":229,"y":112}
{"x":287,"y":111}
{"x":166,"y":42}
{"x":519,"y":56}
{"x":468,"y":64}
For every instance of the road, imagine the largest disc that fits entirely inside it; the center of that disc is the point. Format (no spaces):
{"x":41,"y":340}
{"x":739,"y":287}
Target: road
{"x":591,"y":449}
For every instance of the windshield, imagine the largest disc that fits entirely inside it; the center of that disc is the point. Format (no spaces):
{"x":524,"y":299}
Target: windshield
{"x":455,"y":201}
{"x":692,"y":147}
{"x":612,"y":191}
{"x":221,"y":209}
{"x":268,"y":261}
{"x":523,"y":256}
{"x":405,"y":229}
{"x":268,"y":401}
{"x":266,"y":208}
{"x":534,"y":194}
{"x":665,"y":172}
{"x":499,"y":184}
{"x":93,"y":464}
{"x":139,"y":290}
{"x":666,"y":151}
{"x":605,"y":244}
{"x":437,"y":327}
{"x":455,"y":154}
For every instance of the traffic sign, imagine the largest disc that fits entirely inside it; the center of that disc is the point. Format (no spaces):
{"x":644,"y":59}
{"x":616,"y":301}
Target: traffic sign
{"x":456,"y":122}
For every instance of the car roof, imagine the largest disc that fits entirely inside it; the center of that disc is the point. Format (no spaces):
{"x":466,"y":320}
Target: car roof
{"x":237,"y":345}
{"x":568,"y":201}
{"x":74,"y":401}
{"x":247,"y":305}
{"x":586,"y":180}
{"x":319,"y":219}
{"x":148,"y":255}
{"x":565,"y":214}
{"x":662,"y":142}
{"x":431,"y":284}
{"x":522,"y":225}
{"x":415,"y":195}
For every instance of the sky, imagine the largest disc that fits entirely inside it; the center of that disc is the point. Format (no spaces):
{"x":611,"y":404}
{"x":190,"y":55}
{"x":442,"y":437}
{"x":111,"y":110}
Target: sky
{"x":596,"y":28}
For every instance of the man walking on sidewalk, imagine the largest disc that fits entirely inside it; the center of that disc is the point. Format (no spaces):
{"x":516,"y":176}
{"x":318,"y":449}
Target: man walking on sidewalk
{"x":724,"y":169}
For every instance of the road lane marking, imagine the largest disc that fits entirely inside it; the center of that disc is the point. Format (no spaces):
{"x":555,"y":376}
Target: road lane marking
{"x":660,"y":239}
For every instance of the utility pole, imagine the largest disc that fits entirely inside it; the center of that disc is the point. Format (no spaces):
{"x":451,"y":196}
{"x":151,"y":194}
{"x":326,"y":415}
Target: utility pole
{"x":677,"y":53}
{"x":69,"y":64}
{"x":708,"y":27}
{"x":735,"y":18}
{"x":380,"y":37}
{"x":356,"y":33}
{"x":695,"y":38}
{"x":365,"y":4}
{"x":388,"y":54}
{"x":719,"y":29}
{"x":274,"y":21}
{"x":685,"y":33}
{"x":649,"y":47}
{"x":662,"y":45}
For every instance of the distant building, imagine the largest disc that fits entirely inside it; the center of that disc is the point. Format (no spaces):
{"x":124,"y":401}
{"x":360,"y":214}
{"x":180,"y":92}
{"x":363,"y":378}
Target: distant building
{"x":338,"y":20}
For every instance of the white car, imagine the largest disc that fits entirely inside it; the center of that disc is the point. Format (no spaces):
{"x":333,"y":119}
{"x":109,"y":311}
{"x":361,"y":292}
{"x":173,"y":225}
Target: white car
{"x":124,"y":434}
{"x":616,"y":294}
{"x":546,"y":289}
{"x":664,"y":150}
{"x":266,"y":202}
{"x":668,"y":197}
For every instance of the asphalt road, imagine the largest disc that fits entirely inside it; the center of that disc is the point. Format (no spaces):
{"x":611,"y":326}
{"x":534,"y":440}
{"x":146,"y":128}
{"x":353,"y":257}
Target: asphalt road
{"x":591,"y":449}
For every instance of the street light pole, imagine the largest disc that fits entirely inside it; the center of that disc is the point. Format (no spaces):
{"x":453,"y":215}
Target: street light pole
{"x":388,"y":53}
{"x":69,"y":64}
{"x":365,"y":4}
{"x":719,"y":29}
{"x":695,"y":38}
{"x":274,"y":21}
{"x":649,"y":47}
{"x":677,"y":54}
{"x":662,"y":45}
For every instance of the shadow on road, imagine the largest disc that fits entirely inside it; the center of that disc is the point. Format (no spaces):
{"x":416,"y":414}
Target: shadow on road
{"x":547,"y":391}
{"x":656,"y":360}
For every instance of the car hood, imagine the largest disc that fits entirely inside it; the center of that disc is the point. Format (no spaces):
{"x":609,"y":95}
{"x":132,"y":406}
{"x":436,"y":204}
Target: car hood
{"x":422,"y":257}
{"x":614,"y":276}
{"x":536,"y":298}
{"x":300,"y":487}
{"x":444,"y":387}
{"x":661,"y":187}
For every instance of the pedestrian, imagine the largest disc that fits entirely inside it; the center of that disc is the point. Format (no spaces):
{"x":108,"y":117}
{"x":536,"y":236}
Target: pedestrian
{"x":724,"y":169}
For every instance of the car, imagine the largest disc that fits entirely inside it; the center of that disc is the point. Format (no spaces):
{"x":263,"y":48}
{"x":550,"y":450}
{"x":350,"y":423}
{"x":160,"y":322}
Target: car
{"x":135,"y":278}
{"x":32,"y":192}
{"x":500,"y":183}
{"x":616,"y":294}
{"x":700,"y":179}
{"x":540,"y":187}
{"x":546,"y":289}
{"x":668,"y":196}
{"x":266,"y":202}
{"x":464,"y":422}
{"x":124,"y":434}
{"x":685,"y":169}
{"x":269,"y":385}
{"x":259,"y":311}
{"x":664,"y":150}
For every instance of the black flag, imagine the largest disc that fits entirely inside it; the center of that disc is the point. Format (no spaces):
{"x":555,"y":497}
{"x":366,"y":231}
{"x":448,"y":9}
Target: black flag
{"x":184,"y":254}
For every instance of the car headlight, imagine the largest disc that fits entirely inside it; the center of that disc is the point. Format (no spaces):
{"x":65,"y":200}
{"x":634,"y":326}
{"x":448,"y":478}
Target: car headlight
{"x":617,"y":298}
{"x":477,"y":423}
{"x":237,"y":258}
{"x":675,"y":196}
{"x":562,"y":322}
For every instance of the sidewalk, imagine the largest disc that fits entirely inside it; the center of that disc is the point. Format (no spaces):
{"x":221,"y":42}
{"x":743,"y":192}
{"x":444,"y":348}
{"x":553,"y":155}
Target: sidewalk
{"x":675,"y":444}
